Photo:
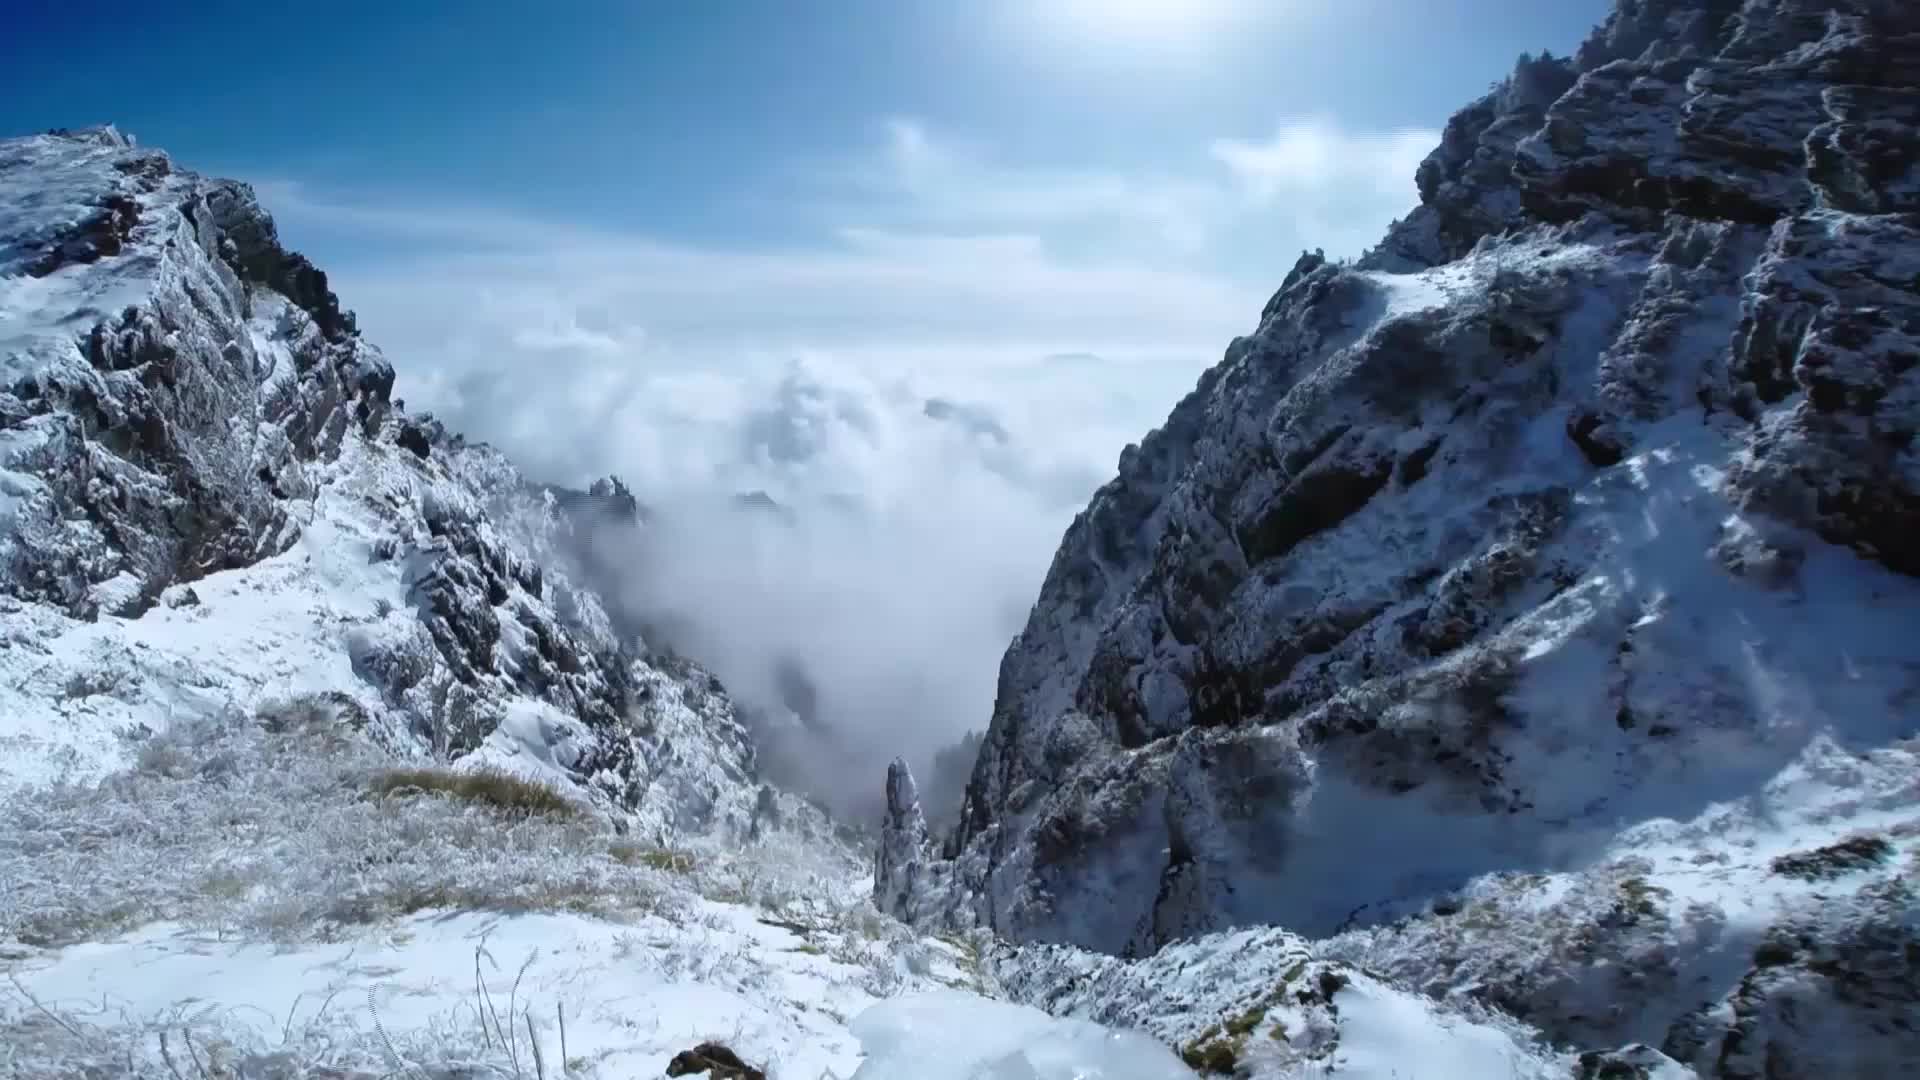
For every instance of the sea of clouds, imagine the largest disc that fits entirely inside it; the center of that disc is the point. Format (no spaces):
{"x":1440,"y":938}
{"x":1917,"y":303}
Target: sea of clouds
{"x":919,"y":407}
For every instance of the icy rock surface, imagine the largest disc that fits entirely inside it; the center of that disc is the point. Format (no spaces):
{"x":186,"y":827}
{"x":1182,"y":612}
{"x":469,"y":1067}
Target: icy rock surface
{"x":170,"y":375}
{"x":1521,"y":611}
{"x":900,"y":855}
{"x":208,"y":502}
{"x":1258,"y":1003}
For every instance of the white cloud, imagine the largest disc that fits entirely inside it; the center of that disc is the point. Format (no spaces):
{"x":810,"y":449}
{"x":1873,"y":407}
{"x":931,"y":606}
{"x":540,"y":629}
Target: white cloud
{"x":1315,"y":155}
{"x":1312,"y":183}
{"x":1339,"y":189}
{"x":698,"y":375}
{"x":446,"y":226}
{"x":941,"y":275}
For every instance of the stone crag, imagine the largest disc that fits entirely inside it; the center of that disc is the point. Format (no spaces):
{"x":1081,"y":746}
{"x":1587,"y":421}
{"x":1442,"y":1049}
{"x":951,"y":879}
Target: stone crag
{"x":181,"y":396}
{"x":1522,"y":548}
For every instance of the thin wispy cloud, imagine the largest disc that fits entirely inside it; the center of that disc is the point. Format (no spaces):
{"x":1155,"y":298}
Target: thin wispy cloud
{"x":1327,"y":182}
{"x":922,"y":177}
{"x":445,"y":227}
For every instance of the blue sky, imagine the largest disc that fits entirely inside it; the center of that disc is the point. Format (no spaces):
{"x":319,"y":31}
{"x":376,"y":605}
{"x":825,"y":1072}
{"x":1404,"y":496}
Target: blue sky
{"x":1143,"y":133}
{"x":723,"y":246}
{"x":704,"y":121}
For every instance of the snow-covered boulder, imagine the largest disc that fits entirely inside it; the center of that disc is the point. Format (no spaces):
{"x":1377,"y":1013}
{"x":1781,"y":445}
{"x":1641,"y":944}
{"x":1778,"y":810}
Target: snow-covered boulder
{"x":1260,"y":1003}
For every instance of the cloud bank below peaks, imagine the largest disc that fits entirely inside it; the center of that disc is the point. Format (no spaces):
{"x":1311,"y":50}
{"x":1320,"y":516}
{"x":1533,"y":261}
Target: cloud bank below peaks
{"x":929,"y":391}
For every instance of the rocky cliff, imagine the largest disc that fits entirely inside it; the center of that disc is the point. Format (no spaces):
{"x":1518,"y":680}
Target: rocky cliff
{"x":1527,"y":610}
{"x":208,"y":501}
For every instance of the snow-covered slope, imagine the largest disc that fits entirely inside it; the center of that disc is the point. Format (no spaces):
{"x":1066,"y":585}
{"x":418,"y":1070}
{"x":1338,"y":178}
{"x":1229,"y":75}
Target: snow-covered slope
{"x":1527,"y":612}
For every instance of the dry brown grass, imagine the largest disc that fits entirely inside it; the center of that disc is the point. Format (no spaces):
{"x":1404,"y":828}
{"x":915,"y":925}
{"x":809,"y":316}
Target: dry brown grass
{"x":627,"y":853}
{"x":494,"y":788}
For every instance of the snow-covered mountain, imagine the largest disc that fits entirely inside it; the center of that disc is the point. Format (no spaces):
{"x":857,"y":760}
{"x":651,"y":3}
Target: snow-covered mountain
{"x":211,"y":503}
{"x":1506,"y":663}
{"x":1526,"y":612}
{"x":323,"y":753}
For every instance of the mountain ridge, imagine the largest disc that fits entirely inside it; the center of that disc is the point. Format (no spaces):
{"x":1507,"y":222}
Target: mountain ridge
{"x":206,"y":405}
{"x":1532,"y":550}
{"x":1507,"y":651}
{"x":395,"y":720}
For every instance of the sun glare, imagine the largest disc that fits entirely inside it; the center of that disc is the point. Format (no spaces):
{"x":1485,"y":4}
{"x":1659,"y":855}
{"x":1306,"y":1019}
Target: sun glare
{"x":1146,"y":26}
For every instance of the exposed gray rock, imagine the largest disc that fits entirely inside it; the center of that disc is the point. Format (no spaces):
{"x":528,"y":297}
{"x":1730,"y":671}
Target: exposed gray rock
{"x":1834,"y":992}
{"x":164,"y":439}
{"x":1258,"y":1003}
{"x":1823,"y":364}
{"x":1569,"y":518}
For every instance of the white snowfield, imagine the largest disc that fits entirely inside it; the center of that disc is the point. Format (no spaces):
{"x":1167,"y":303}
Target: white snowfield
{"x":567,"y":996}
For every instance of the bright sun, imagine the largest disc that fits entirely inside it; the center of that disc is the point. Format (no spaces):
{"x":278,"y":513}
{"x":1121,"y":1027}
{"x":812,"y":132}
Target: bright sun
{"x":1163,"y":26}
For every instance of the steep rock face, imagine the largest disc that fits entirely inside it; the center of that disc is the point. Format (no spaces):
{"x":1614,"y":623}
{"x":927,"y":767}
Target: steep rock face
{"x":1566,"y":529}
{"x":900,"y":856}
{"x":171,"y":372}
{"x":208,"y":501}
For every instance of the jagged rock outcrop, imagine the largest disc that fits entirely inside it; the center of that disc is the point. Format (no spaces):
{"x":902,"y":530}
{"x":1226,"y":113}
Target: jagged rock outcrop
{"x":1831,"y":991}
{"x":148,"y":442}
{"x":901,"y":856}
{"x":189,"y":418}
{"x":1550,"y":564}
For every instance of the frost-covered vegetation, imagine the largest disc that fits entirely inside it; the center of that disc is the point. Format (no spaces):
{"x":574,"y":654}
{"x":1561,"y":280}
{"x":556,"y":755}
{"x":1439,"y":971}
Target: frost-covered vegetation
{"x":490,"y":787}
{"x":293,"y":867}
{"x":334,"y":1040}
{"x":304,"y":833}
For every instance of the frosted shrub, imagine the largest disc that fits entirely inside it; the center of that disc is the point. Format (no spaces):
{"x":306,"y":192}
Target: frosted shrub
{"x":226,"y":826}
{"x":328,"y":1038}
{"x":499,"y":790}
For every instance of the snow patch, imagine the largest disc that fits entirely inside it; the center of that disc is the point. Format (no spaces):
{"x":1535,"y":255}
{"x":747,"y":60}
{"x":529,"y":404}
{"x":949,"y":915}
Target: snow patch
{"x":947,"y":1035}
{"x":1385,"y":1033}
